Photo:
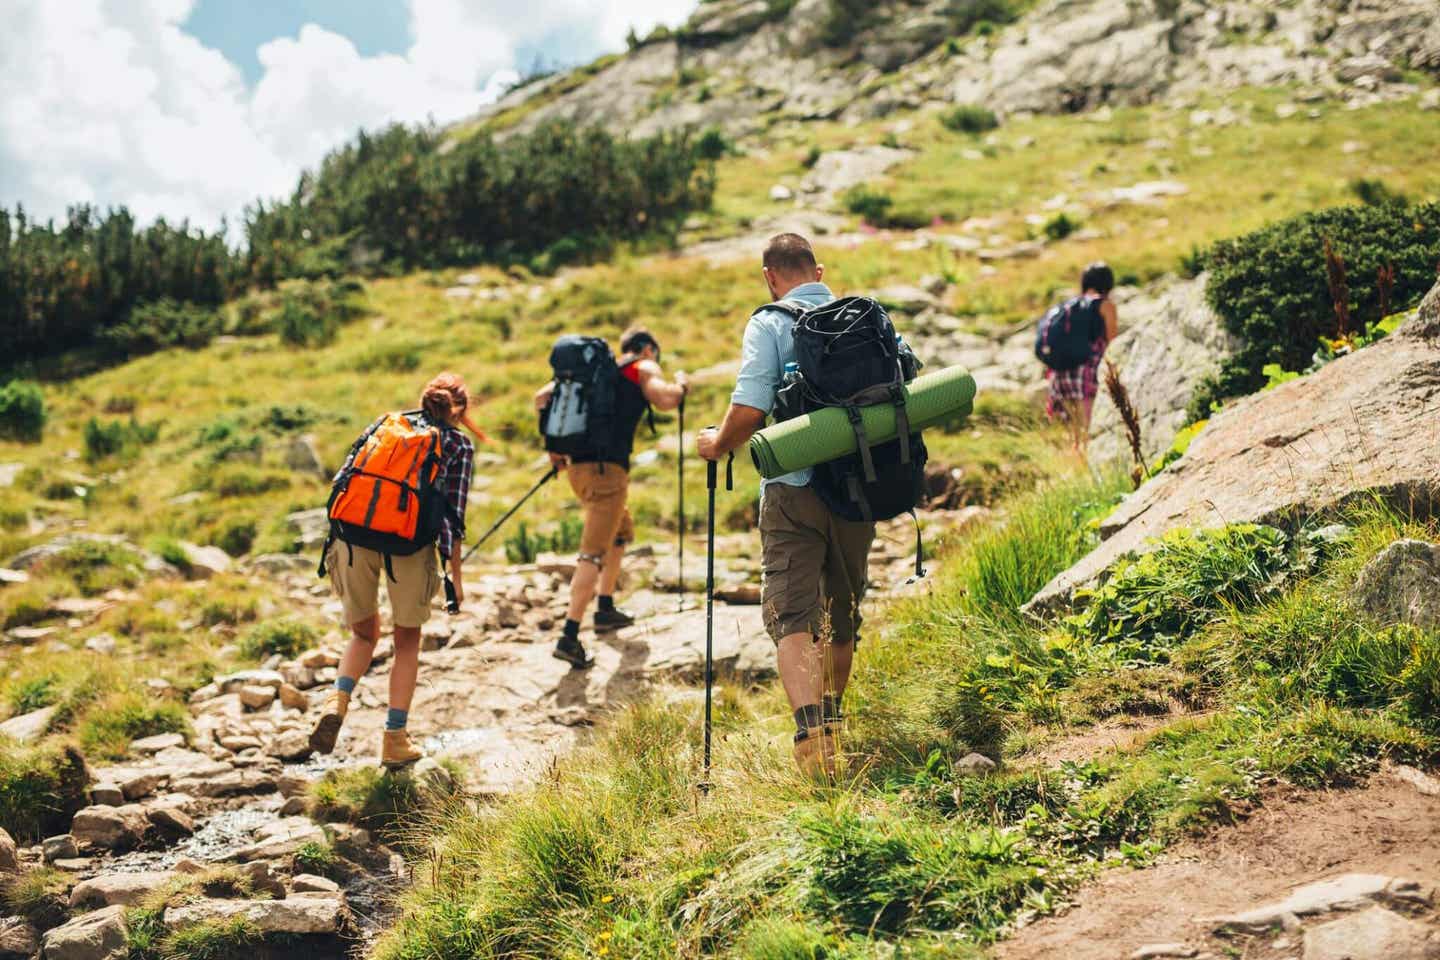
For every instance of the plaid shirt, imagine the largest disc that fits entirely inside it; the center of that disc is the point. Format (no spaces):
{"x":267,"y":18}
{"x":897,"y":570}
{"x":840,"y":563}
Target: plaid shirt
{"x":457,"y":461}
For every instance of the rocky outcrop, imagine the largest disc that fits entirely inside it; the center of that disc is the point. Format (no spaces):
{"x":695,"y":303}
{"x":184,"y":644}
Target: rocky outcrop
{"x":297,"y":916}
{"x":9,"y":861}
{"x":1402,"y":585}
{"x":1362,"y":425}
{"x":93,"y":936}
{"x":1170,"y":341}
{"x":744,"y":64}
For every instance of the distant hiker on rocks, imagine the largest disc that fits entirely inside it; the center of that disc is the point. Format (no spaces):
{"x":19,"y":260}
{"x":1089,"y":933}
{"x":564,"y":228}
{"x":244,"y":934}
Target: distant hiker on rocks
{"x":814,"y":561}
{"x":1071,"y":341}
{"x":588,"y":416}
{"x":401,"y":494}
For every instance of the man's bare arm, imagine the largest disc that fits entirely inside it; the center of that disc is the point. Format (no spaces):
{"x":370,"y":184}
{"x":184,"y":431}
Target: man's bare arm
{"x":740,"y":424}
{"x":662,"y":395}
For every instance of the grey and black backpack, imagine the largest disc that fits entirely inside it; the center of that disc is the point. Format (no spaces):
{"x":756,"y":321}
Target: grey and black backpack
{"x":849,"y":356}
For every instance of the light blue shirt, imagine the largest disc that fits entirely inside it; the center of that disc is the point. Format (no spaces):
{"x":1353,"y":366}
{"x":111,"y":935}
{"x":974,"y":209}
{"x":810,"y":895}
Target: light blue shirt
{"x":769,"y":345}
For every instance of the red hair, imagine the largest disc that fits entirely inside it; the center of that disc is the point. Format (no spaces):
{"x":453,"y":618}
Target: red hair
{"x":445,"y":399}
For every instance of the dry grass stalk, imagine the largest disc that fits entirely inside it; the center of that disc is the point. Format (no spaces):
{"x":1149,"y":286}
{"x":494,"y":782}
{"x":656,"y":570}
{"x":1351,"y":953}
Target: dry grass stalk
{"x":1120,"y":396}
{"x":1339,"y":289}
{"x":1386,"y":282}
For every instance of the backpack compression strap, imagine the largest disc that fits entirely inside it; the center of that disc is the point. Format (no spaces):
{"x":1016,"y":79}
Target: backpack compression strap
{"x":857,"y":423}
{"x":902,"y":421}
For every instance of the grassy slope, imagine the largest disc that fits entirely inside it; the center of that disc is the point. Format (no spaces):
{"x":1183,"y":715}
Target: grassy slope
{"x":1254,"y":173}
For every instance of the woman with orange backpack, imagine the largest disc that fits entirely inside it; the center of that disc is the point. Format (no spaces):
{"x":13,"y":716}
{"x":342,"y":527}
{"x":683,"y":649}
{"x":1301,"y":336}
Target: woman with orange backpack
{"x":401,"y":494}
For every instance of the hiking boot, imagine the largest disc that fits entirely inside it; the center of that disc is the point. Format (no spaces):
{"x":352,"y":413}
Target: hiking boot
{"x":573,"y":653}
{"x":332,"y":715}
{"x":612,"y":619}
{"x":397,"y":751}
{"x":815,"y":755}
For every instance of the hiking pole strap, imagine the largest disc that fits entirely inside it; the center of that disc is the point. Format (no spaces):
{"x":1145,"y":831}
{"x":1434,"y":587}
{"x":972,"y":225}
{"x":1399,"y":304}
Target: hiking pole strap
{"x":857,"y":423}
{"x":919,"y":548}
{"x":554,"y":472}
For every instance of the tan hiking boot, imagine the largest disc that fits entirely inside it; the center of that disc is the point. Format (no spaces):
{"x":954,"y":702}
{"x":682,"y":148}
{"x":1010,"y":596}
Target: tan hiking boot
{"x":327,"y":728}
{"x":816,"y":756}
{"x":398,"y":751}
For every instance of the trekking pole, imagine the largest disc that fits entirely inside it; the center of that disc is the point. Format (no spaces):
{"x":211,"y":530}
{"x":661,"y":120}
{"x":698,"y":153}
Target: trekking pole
{"x":712,"y":473}
{"x":681,"y":498}
{"x":554,"y":471}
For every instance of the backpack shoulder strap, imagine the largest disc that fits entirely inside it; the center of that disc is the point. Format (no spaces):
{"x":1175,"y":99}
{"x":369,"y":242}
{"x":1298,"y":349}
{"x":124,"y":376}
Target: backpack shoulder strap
{"x":795,"y":308}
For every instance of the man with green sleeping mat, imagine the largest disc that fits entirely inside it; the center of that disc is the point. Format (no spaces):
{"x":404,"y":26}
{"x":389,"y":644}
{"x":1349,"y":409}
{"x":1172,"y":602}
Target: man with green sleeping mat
{"x":814,"y":561}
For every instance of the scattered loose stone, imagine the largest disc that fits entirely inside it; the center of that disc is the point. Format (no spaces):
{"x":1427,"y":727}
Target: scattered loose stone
{"x":172,"y":821}
{"x":291,"y":745}
{"x":294,"y":916}
{"x":261,"y":875}
{"x":9,"y":856}
{"x":28,"y":727}
{"x":62,"y":847}
{"x":94,"y":936}
{"x":1157,"y":950}
{"x":1373,"y":934}
{"x":110,"y":828}
{"x":1353,"y":891}
{"x":116,"y":888}
{"x":161,"y":741}
{"x":281,"y":840}
{"x":19,"y":940}
{"x":309,"y":883}
{"x":1426,"y":784}
{"x":975,"y":765}
{"x":102,"y":643}
{"x":292,"y":699}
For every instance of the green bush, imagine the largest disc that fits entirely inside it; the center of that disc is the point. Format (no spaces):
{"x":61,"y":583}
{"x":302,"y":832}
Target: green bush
{"x":317,"y":858}
{"x":286,"y":637}
{"x":968,"y":118}
{"x":1270,"y":287}
{"x":1059,"y":227}
{"x":22,"y":411}
{"x":1152,"y":603}
{"x":523,"y":546}
{"x":245,"y":481}
{"x":871,"y":205}
{"x":41,"y":787}
{"x":1376,"y":193}
{"x":236,"y":536}
{"x":713,"y":144}
{"x":303,"y":324}
{"x":117,"y":437}
{"x":96,"y":566}
{"x":160,"y":324}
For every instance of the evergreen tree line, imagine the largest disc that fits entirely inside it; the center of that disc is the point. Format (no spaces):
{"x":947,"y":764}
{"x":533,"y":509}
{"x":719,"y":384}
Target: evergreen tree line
{"x":402,"y":198}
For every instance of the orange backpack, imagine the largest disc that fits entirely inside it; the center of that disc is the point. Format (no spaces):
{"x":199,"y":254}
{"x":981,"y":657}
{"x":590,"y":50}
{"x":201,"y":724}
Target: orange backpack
{"x":385,"y":497}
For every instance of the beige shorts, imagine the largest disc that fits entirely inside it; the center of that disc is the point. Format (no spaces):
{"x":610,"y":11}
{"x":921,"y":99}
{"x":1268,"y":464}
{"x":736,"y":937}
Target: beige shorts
{"x":356,"y":573}
{"x":815,"y":566}
{"x":602,"y":490}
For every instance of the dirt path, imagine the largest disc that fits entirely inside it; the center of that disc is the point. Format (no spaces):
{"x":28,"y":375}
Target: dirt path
{"x":1385,"y":827}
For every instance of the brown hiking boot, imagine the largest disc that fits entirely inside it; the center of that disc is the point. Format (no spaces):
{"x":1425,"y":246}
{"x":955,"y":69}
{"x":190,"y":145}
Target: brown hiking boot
{"x":815,"y":755}
{"x":397,"y":751}
{"x":327,"y":728}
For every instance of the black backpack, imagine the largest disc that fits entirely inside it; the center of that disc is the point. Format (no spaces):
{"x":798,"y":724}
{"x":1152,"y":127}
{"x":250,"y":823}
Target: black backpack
{"x":849,"y":356}
{"x":579,"y":420}
{"x":1067,"y":332}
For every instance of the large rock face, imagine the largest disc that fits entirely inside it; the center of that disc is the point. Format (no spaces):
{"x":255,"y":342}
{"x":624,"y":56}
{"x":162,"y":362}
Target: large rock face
{"x":741,"y":64}
{"x":1171,"y":341}
{"x":1363,"y":424}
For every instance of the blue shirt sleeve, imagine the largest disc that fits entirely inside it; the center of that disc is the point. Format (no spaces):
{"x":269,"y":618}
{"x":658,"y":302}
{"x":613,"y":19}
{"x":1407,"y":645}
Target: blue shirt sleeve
{"x":760,"y":367}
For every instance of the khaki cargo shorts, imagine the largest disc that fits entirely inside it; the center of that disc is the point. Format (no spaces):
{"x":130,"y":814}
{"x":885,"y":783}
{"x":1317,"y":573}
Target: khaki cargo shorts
{"x":602,"y":490}
{"x":814,"y":564}
{"x":355,"y":574}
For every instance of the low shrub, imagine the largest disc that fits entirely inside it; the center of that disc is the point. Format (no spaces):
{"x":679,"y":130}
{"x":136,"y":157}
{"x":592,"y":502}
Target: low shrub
{"x":236,"y":536}
{"x":22,"y":411}
{"x":317,"y":858}
{"x":33,"y":693}
{"x":41,"y":788}
{"x":1271,"y":290}
{"x":117,"y":438}
{"x":1059,"y":227}
{"x":969,"y":118}
{"x":160,"y":324}
{"x":713,"y":144}
{"x":302,"y":324}
{"x":523,"y":546}
{"x":245,"y":481}
{"x":1152,"y":603}
{"x":96,"y":566}
{"x":286,"y":637}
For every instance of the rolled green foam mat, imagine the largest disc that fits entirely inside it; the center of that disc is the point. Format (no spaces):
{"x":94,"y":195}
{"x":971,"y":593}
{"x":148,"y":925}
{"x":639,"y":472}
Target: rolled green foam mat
{"x":826,"y":435}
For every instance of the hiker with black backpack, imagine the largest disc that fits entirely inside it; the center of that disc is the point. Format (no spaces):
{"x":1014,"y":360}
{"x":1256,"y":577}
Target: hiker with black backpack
{"x":589,"y":413}
{"x":400,"y":496}
{"x":1071,"y":340}
{"x":802,"y":351}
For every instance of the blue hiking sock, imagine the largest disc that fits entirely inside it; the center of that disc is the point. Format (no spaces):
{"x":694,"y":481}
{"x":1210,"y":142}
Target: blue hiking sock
{"x":396,"y":719}
{"x":345,"y":684}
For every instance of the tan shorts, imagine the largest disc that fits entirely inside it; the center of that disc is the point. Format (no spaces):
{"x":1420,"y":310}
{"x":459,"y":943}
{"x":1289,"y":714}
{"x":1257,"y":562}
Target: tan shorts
{"x":815,"y":566}
{"x":355,"y":574}
{"x":602,"y":493}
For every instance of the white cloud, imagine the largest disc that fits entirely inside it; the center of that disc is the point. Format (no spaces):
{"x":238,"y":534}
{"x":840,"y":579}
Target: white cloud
{"x":110,"y":102}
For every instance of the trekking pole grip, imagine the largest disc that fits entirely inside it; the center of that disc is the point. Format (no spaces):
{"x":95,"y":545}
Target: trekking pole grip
{"x":452,"y":604}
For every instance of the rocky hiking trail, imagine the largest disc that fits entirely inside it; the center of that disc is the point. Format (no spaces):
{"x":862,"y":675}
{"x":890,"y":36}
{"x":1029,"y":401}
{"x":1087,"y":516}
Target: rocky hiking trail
{"x":493,"y":706}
